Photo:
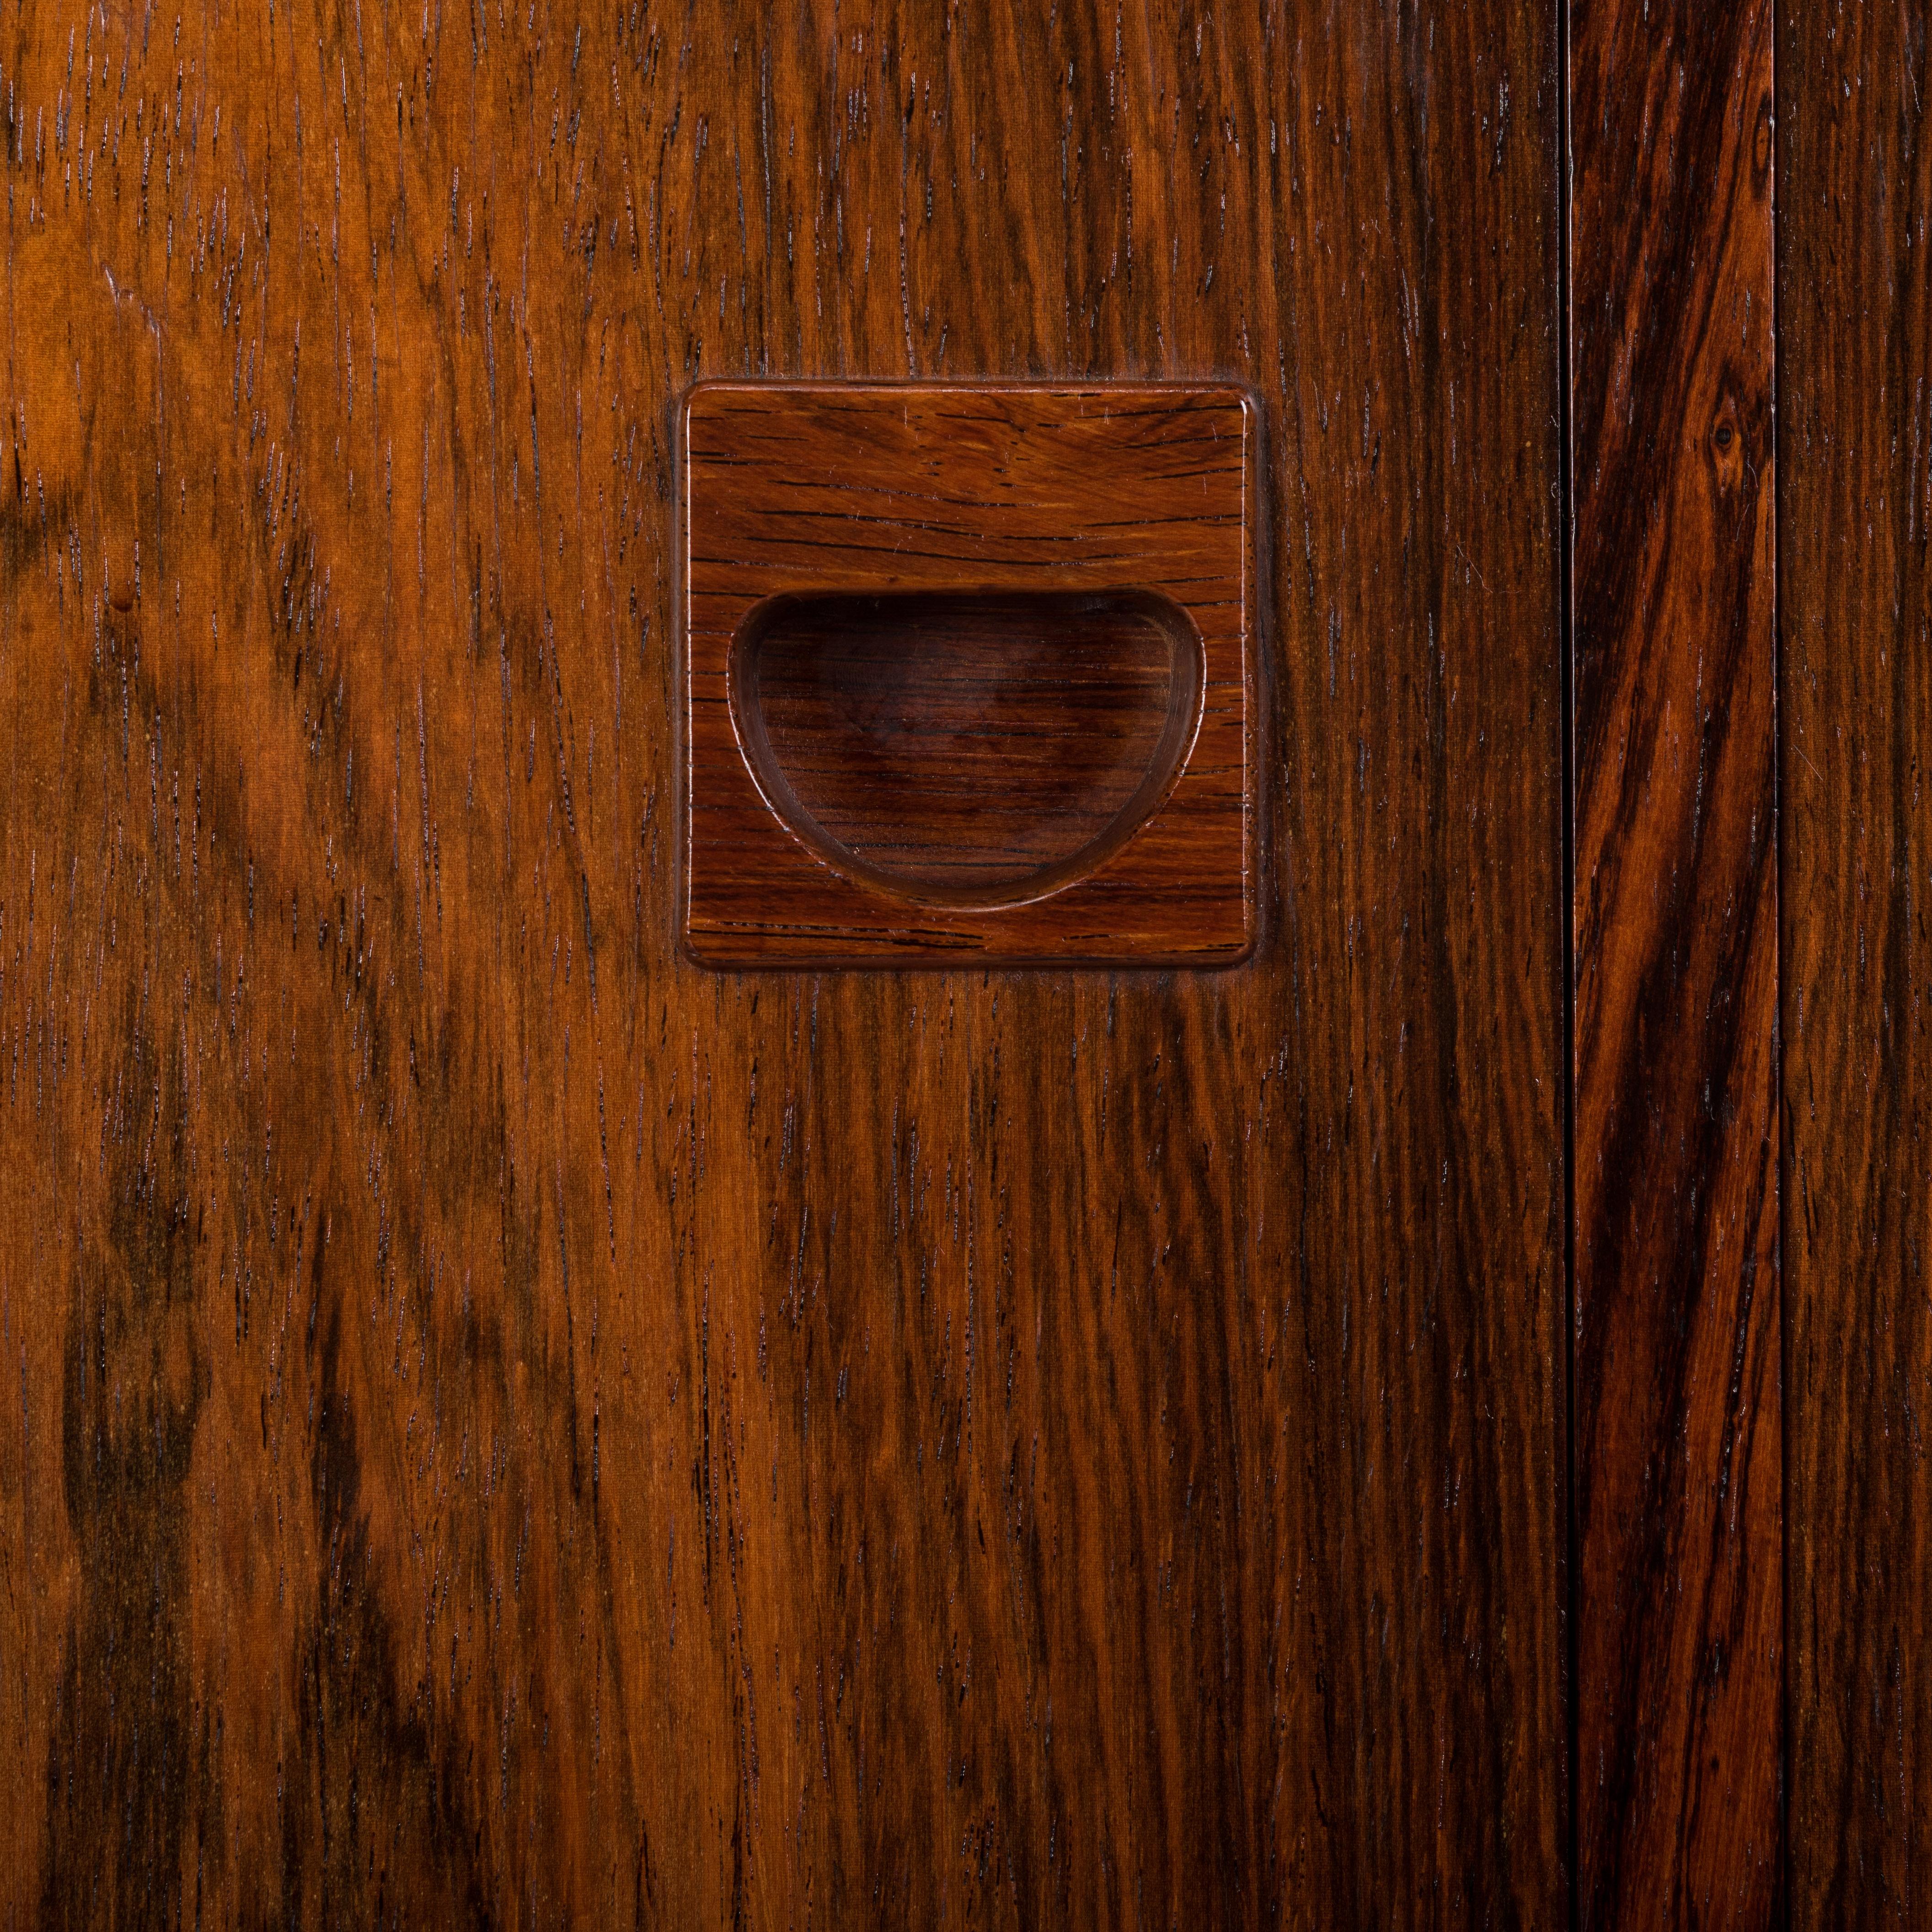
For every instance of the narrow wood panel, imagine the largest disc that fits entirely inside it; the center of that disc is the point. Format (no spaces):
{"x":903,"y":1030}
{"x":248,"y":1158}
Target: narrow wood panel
{"x":1676,"y":1469}
{"x":1854,"y":305}
{"x":502,"y":1425}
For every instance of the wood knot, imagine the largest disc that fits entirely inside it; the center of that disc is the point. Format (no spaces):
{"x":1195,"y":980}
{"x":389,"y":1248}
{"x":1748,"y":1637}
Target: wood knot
{"x":1727,"y":446}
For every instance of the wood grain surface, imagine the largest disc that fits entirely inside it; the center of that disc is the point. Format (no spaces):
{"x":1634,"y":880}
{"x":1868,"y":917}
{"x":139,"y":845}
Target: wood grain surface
{"x":795,"y":490}
{"x":1676,"y":1469}
{"x":502,"y":1426}
{"x":973,"y":744}
{"x":1855,"y":307}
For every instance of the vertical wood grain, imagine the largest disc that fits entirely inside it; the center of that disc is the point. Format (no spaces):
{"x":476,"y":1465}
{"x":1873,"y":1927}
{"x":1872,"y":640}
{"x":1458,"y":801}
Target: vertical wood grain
{"x":1855,"y":314}
{"x":500,"y":1425}
{"x":1676,"y":1452}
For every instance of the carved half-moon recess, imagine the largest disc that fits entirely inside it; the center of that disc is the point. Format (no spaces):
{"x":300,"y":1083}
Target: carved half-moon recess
{"x":967,"y":748}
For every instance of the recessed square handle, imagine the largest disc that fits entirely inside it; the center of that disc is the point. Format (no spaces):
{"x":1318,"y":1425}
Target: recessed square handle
{"x":968,"y":673}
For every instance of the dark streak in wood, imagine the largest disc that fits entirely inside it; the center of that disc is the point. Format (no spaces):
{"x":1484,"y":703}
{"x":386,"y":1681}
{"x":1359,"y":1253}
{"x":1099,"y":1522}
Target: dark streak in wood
{"x":1676,"y":1457}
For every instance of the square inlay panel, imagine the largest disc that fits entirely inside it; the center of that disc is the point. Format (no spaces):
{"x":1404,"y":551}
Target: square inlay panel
{"x":968,"y":673}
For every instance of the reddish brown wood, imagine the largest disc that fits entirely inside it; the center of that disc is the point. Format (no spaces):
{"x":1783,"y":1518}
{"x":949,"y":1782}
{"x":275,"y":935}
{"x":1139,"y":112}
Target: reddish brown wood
{"x":968,"y":748}
{"x":500,"y":1425}
{"x":970,"y":673}
{"x":1855,"y":312}
{"x":1675,"y":1363}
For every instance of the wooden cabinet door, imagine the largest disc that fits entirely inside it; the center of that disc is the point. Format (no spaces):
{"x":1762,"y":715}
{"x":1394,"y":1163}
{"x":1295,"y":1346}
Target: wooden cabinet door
{"x":519,"y":1410}
{"x":510,"y":1423}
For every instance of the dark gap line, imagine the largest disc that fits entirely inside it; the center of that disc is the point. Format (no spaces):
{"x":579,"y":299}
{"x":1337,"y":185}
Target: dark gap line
{"x":1787,"y":1733}
{"x":1568,"y":1559}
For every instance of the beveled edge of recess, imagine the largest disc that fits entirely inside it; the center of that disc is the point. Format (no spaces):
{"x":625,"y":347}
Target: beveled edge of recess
{"x":788,"y":489}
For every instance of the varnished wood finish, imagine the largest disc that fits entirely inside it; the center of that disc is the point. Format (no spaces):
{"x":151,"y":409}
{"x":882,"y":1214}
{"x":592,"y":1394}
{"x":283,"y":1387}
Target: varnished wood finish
{"x":1676,"y":1454}
{"x":809,"y":492}
{"x":1854,"y":303}
{"x":503,"y":1425}
{"x":972,"y":745}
